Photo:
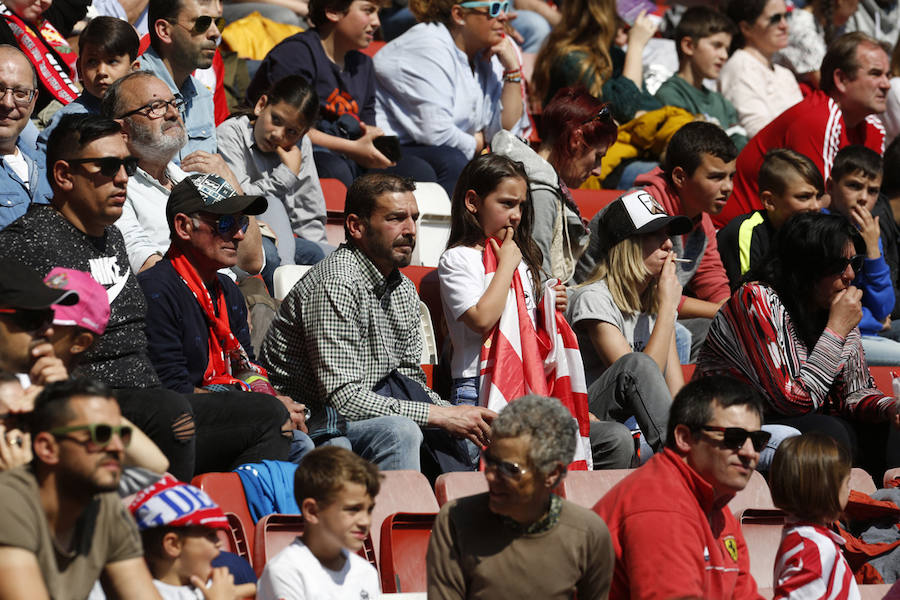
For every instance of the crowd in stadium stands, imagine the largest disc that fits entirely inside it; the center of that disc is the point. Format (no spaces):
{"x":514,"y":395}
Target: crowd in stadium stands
{"x":709,"y":323}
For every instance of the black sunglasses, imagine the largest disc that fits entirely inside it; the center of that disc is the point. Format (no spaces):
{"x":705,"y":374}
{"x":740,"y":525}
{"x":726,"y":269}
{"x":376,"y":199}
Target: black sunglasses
{"x":201,"y":25}
{"x":109,"y":165}
{"x":228,"y":224}
{"x":733,"y":438}
{"x":101,"y":433}
{"x":839,"y":265}
{"x":777,"y":17}
{"x":602,"y":115}
{"x":30,"y":320}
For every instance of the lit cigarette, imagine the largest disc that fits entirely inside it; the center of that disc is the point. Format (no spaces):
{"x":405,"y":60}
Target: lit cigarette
{"x":682,"y":260}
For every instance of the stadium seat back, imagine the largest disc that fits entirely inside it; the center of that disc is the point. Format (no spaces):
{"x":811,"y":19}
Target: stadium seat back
{"x":450,"y":486}
{"x":404,"y":544}
{"x":755,"y":495}
{"x":401,"y":491}
{"x":285,"y":277}
{"x":433,"y":224}
{"x":861,"y":481}
{"x":585,"y":488}
{"x":227,"y":491}
{"x":762,"y":532}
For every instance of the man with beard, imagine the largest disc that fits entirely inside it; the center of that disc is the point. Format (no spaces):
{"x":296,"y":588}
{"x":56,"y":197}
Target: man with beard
{"x":183,"y":36}
{"x":346,"y":340}
{"x":150,"y":118}
{"x":63,"y":525}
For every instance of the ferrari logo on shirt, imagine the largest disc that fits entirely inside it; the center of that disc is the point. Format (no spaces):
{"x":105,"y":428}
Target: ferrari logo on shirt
{"x":731,"y":547}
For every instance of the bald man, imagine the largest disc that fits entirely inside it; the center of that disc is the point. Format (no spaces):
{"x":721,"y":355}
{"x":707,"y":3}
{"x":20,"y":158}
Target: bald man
{"x":23,"y":180}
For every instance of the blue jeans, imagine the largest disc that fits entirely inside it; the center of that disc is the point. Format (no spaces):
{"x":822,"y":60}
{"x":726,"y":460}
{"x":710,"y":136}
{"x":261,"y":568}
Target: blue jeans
{"x":779,"y":434}
{"x":465,"y":391}
{"x":391,"y":442}
{"x":533,"y":27}
{"x":683,"y":339}
{"x":881,"y":351}
{"x":300,"y":445}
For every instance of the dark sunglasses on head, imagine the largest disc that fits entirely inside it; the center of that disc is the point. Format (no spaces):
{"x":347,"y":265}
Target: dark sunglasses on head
{"x":602,"y":115}
{"x":777,"y":17}
{"x":733,"y":438}
{"x":228,"y":224}
{"x":507,"y":469}
{"x":109,"y":165}
{"x":101,"y":433}
{"x":30,"y":320}
{"x":839,"y":265}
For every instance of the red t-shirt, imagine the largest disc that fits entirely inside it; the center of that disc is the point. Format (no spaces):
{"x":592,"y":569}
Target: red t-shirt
{"x":813,"y":127}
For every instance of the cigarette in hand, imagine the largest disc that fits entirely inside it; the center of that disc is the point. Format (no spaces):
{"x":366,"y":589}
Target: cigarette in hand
{"x":682,"y":260}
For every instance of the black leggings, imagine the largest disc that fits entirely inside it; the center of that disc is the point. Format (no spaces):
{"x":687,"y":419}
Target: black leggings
{"x":874,"y":446}
{"x":200,"y":433}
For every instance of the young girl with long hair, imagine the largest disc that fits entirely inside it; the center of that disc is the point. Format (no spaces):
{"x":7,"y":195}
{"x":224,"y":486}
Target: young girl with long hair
{"x":269,"y":152}
{"x":810,"y":480}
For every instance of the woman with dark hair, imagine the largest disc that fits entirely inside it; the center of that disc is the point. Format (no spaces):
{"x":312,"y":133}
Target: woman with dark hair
{"x":792,"y":333}
{"x":758,"y":88}
{"x":447,"y":85}
{"x":576,"y":129}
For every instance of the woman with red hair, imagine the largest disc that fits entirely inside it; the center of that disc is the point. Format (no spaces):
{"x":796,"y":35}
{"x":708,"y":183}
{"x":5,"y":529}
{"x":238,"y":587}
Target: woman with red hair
{"x":575,"y":129}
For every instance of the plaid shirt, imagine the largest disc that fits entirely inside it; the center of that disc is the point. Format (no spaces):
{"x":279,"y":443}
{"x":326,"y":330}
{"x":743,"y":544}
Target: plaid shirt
{"x":341,"y":329}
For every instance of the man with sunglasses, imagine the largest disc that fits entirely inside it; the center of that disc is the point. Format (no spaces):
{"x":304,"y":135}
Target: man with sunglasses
{"x":183,"y":38}
{"x":63,"y":525}
{"x":23,"y":179}
{"x":673,"y":533}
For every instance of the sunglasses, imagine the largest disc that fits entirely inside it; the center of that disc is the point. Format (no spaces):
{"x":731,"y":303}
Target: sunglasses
{"x":201,"y":25}
{"x":509,"y":470}
{"x":156,"y":109}
{"x":30,"y":320}
{"x":101,"y":433}
{"x":778,"y":17}
{"x":602,"y":115}
{"x":495,"y":7}
{"x":109,"y":165}
{"x":228,"y":224}
{"x":733,"y":438}
{"x":839,"y":265}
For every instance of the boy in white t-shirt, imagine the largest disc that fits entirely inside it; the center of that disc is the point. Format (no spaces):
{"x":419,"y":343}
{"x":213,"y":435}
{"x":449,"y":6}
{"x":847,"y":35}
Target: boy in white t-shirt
{"x":179,"y":526}
{"x":335,"y":490}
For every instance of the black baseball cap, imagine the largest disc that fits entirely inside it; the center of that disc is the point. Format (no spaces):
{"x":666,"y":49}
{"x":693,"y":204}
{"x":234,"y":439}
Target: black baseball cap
{"x":636,"y":213}
{"x":206,"y":192}
{"x":22,"y":287}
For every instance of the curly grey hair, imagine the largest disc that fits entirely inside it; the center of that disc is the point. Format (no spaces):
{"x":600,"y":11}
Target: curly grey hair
{"x":547,"y":421}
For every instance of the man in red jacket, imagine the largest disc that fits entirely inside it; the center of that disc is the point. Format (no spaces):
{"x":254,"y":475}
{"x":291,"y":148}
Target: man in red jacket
{"x":854,"y":86}
{"x":673,"y":533}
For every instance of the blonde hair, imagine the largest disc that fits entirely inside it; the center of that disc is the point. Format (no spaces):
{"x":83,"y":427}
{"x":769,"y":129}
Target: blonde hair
{"x":587,"y":26}
{"x":625,"y":273}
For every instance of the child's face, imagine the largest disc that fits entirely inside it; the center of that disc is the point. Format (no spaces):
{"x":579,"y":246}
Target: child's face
{"x":799,"y":196}
{"x":853,"y":189}
{"x":199,"y":546}
{"x":708,"y":188}
{"x":277,"y":125}
{"x":501,"y":208}
{"x":710,"y":53}
{"x":358,"y":25}
{"x":99,"y":70}
{"x":346,"y":520}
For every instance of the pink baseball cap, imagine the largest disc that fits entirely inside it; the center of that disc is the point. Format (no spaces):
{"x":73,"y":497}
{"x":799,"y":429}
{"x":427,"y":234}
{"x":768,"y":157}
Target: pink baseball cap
{"x":91,"y":312}
{"x":172,"y":502}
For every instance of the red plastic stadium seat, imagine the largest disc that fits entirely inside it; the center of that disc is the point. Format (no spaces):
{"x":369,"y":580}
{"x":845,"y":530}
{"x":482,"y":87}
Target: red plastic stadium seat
{"x":861,"y":481}
{"x":401,"y":491}
{"x":460,"y":484}
{"x":755,"y":495}
{"x":585,"y":488}
{"x":335,"y":194}
{"x":404,"y":544}
{"x":372,"y":49}
{"x":762,"y":532}
{"x":426,"y":282}
{"x":227,"y":491}
{"x":590,"y":202}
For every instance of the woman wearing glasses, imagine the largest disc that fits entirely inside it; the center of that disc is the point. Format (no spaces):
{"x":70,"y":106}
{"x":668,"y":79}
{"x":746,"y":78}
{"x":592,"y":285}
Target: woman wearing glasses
{"x":447,"y":85}
{"x":758,"y":88}
{"x":792,"y":333}
{"x":575,"y":131}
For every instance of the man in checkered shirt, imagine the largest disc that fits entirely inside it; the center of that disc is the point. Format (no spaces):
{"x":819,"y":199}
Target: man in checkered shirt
{"x":352,"y":321}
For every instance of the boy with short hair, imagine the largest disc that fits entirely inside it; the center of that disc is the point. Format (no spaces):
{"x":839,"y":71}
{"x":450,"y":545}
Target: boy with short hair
{"x":107,"y":51}
{"x":179,"y":530}
{"x":335,"y":490}
{"x":854,"y":184}
{"x":789,"y":183}
{"x":702,"y":39}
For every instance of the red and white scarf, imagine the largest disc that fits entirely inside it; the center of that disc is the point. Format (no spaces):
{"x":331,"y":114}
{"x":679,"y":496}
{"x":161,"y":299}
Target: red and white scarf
{"x":56,"y":77}
{"x":227,"y":357}
{"x":517,"y":360}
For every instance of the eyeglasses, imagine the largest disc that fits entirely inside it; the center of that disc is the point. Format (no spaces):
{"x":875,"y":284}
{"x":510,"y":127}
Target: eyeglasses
{"x":101,"y":433}
{"x":495,"y":7}
{"x":602,"y":115}
{"x":509,"y":470}
{"x":30,"y":320}
{"x":228,"y":224}
{"x":156,"y":109}
{"x":733,"y":438}
{"x":21,"y":96}
{"x":839,"y":265}
{"x":778,"y":17}
{"x":109,"y":165}
{"x":201,"y":24}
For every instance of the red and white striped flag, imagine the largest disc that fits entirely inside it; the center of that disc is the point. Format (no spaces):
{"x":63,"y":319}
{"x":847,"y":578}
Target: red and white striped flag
{"x":517,"y":360}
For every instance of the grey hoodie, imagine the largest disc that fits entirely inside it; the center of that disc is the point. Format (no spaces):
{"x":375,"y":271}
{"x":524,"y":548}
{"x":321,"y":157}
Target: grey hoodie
{"x":879,"y":19}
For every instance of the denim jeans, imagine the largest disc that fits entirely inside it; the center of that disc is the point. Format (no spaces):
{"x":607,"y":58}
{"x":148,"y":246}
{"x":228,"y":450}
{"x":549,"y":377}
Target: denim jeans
{"x":779,"y":434}
{"x":683,"y":337}
{"x":465,"y":391}
{"x":392,"y":442}
{"x":533,"y":28}
{"x":881,"y":351}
